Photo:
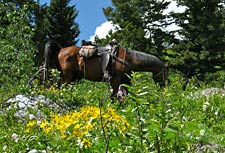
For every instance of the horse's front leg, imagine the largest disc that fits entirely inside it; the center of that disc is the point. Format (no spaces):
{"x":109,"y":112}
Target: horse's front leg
{"x":115,"y":83}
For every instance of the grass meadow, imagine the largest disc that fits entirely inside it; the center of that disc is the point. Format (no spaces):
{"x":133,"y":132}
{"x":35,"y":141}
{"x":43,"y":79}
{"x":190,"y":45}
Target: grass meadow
{"x":177,"y":118}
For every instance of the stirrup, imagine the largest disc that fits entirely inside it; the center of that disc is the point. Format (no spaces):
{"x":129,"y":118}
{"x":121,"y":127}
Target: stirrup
{"x":106,"y":77}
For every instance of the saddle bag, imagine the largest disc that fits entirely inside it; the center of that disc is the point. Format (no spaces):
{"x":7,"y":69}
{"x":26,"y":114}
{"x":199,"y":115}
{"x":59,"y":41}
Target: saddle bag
{"x":87,"y":51}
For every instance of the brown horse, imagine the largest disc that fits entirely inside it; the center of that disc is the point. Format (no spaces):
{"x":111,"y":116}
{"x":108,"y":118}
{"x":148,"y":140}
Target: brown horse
{"x":72,"y":67}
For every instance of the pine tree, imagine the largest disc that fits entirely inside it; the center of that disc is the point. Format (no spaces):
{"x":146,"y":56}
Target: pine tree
{"x":63,"y":27}
{"x":203,"y":33}
{"x":140,"y":24}
{"x":41,"y":27}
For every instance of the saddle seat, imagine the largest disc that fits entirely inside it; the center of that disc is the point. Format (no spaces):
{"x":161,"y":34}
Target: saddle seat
{"x":91,"y":50}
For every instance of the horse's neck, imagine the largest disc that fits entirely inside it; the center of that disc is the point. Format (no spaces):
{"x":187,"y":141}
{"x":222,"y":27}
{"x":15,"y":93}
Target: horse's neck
{"x":144,"y":62}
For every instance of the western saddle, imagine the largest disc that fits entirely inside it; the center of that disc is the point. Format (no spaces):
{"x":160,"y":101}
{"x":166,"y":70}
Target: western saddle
{"x":89,"y":49}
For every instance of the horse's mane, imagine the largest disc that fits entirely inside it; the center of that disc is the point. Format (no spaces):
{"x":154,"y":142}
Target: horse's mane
{"x":149,"y":63}
{"x":144,"y":58}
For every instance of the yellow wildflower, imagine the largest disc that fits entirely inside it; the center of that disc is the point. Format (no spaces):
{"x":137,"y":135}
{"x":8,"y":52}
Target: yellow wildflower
{"x":76,"y":133}
{"x":47,"y":130}
{"x":89,"y":126}
{"x":79,"y":124}
{"x":111,"y":111}
{"x":123,"y":129}
{"x":84,"y":133}
{"x":31,"y":123}
{"x":43,"y":124}
{"x":53,"y":89}
{"x":27,"y":130}
{"x":86,"y":143}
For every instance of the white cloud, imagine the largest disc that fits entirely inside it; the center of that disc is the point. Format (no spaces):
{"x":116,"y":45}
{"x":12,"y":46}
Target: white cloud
{"x":174,"y":8}
{"x":103,"y":30}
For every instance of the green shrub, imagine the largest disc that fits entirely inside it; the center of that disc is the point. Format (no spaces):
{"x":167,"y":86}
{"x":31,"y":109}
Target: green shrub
{"x":16,"y":49}
{"x":171,"y":119}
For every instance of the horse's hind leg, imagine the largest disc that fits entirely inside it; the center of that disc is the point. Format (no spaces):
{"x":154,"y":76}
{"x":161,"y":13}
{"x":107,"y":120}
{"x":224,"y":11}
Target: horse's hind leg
{"x":67,"y":77}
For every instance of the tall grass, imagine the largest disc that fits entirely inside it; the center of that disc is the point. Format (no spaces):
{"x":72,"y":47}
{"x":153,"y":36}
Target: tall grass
{"x":149,"y":119}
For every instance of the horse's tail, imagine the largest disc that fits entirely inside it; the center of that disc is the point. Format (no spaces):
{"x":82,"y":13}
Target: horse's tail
{"x":52,"y":49}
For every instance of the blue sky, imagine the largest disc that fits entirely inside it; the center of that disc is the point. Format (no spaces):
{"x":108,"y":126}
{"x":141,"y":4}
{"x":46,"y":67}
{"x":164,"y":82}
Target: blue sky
{"x":92,"y":21}
{"x":90,"y":17}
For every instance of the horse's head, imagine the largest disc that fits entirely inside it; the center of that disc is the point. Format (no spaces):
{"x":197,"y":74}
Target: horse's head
{"x":162,"y":76}
{"x":165,"y":73}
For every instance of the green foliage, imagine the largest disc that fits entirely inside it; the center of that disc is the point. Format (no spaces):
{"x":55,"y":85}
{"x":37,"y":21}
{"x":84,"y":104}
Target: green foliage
{"x":160,"y":120}
{"x":217,"y":79}
{"x":48,"y":22}
{"x":141,"y":28}
{"x":16,"y":48}
{"x":176,"y":118}
{"x":202,"y":31}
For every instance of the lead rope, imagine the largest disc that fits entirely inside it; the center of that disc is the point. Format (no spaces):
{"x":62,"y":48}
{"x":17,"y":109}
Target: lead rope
{"x":85,"y":67}
{"x":45,"y":72}
{"x":45,"y":69}
{"x":42,"y":68}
